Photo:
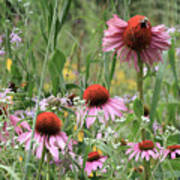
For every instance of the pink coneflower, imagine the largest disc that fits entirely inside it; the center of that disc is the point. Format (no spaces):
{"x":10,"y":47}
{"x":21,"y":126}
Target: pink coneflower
{"x":135,"y":37}
{"x":144,"y":149}
{"x":97,"y":99}
{"x":48,"y":134}
{"x":94,"y":161}
{"x":172,"y":151}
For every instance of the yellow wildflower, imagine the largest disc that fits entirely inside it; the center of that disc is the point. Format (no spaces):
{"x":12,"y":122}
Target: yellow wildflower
{"x":68,"y":74}
{"x":91,"y":175}
{"x":8,"y":64}
{"x":75,"y":128}
{"x":80,"y":136}
{"x":20,"y":158}
{"x":47,"y":87}
{"x":65,"y":114}
{"x":98,"y":150}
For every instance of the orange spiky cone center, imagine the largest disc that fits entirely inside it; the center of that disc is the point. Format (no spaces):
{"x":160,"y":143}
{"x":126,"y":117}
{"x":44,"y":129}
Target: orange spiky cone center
{"x":92,"y":156}
{"x":137,"y":35}
{"x":48,"y":123}
{"x":96,"y":95}
{"x":173,"y":147}
{"x":146,"y":145}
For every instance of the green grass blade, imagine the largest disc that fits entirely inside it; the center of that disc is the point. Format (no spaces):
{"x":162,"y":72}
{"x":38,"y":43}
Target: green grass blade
{"x":106,"y":71}
{"x":157,"y":88}
{"x":113,"y":67}
{"x":88,"y":62}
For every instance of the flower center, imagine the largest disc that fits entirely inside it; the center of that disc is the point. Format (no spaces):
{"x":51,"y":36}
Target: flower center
{"x":146,"y":145}
{"x":173,"y":147}
{"x":137,"y":35}
{"x":48,"y":123}
{"x":96,"y":95}
{"x":92,"y":156}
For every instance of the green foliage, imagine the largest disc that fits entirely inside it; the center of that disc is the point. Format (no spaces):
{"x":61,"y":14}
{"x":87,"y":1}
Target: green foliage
{"x":157,"y":89}
{"x":138,"y":108}
{"x":61,"y":37}
{"x":56,"y":65}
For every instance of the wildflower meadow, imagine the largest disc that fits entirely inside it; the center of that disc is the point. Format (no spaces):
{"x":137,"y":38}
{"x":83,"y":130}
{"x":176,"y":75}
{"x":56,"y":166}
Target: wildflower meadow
{"x":90,"y":89}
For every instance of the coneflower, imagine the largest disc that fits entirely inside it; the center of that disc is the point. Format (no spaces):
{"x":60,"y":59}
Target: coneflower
{"x":135,"y":38}
{"x":94,"y":161}
{"x":48,"y":134}
{"x":144,"y":149}
{"x":98,"y":99}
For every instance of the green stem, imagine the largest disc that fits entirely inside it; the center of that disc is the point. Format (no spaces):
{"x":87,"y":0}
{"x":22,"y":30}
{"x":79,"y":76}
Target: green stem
{"x":48,"y":169}
{"x":41,"y":162}
{"x":140,"y":88}
{"x":146,"y":170}
{"x":141,"y":97}
{"x":140,"y":80}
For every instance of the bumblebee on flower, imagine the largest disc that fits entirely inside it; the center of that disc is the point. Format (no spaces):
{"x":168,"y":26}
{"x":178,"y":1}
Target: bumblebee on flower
{"x":136,"y":38}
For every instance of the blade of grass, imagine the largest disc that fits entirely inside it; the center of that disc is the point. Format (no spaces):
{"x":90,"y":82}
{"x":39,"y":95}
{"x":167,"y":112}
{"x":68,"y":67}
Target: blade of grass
{"x":113,"y":67}
{"x":88,"y":62}
{"x":106,"y":71}
{"x":157,"y":89}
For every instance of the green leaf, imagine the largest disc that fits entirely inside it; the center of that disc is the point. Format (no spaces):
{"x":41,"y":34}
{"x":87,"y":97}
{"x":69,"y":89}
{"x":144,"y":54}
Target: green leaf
{"x":138,"y":108}
{"x":56,"y":66}
{"x":61,"y":20}
{"x":134,"y":130}
{"x":10,"y":172}
{"x":157,"y":89}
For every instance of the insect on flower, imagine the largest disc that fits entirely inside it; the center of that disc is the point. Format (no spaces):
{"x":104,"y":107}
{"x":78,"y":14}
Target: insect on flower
{"x":135,"y":38}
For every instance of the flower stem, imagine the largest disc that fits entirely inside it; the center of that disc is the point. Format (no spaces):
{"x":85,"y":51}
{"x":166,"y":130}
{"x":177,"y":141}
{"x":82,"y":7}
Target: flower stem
{"x":141,"y":97}
{"x":146,"y":170}
{"x":140,"y":79}
{"x":140,"y":88}
{"x":41,"y":162}
{"x":48,"y":169}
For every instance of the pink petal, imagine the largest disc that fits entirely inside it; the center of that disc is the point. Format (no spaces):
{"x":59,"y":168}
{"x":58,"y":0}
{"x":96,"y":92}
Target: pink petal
{"x":60,"y":142}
